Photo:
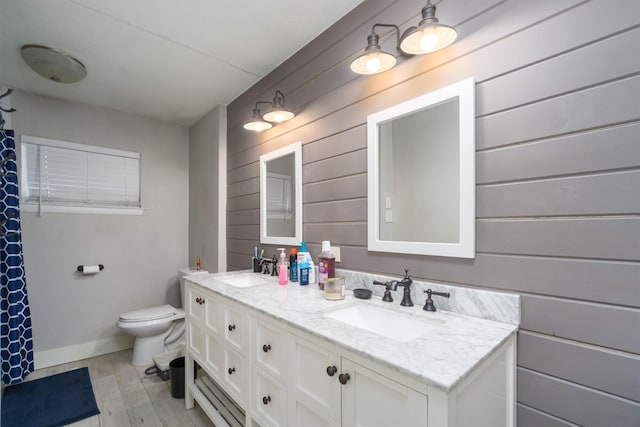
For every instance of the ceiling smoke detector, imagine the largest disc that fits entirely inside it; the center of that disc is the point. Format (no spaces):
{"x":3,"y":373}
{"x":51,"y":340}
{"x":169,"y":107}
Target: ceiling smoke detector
{"x":53,"y":64}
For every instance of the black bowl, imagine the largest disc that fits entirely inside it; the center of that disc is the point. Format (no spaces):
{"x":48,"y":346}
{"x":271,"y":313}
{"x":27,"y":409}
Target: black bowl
{"x":362,"y":293}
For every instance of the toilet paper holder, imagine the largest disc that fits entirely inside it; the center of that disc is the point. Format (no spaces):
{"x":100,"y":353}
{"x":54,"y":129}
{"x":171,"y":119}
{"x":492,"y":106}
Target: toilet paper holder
{"x":81,"y":268}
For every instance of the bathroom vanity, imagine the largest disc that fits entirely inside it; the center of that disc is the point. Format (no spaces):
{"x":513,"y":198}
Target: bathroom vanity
{"x":275,"y":355}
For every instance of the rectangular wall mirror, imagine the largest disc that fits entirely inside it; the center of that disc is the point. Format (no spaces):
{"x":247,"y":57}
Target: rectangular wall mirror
{"x":281,"y":196}
{"x":421,"y":174}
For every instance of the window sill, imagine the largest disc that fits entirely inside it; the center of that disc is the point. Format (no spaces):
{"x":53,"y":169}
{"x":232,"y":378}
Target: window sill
{"x":34,"y":207}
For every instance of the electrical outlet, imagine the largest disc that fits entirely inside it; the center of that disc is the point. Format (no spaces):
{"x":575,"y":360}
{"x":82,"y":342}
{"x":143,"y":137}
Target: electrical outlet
{"x":336,"y":252}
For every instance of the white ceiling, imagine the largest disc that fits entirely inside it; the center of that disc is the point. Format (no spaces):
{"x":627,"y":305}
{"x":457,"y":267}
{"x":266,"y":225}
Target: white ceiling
{"x":166,"y":59}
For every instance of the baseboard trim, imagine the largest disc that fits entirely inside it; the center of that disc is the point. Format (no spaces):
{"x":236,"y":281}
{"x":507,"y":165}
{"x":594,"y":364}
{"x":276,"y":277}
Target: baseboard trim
{"x":72,"y":353}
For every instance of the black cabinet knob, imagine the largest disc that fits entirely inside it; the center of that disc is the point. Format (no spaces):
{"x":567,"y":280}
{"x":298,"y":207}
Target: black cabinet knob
{"x":231,"y":327}
{"x":344,"y":378}
{"x":266,"y":399}
{"x":231,"y":370}
{"x":331,"y":370}
{"x":266,"y":348}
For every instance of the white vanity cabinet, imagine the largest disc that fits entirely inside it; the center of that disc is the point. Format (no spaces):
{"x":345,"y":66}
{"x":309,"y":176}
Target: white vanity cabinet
{"x":281,"y":375}
{"x":330,"y":389}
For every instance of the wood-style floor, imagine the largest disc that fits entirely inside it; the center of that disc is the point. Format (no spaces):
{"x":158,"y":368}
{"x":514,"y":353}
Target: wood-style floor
{"x":128,"y":397}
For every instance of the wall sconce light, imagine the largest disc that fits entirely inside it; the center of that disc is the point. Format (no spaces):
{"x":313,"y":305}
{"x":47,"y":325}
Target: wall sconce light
{"x":276,"y":113}
{"x":374,"y":59}
{"x":429,"y":36}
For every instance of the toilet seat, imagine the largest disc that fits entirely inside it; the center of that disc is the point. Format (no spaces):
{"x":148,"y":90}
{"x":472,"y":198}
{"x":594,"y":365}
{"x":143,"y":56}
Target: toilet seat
{"x":161,"y":312}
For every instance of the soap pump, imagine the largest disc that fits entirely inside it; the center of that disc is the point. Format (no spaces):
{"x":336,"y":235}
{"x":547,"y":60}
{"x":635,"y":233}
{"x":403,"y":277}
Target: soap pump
{"x":282,"y":267}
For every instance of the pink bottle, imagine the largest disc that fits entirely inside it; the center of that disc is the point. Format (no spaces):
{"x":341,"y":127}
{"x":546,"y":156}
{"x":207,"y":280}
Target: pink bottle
{"x":282,"y":267}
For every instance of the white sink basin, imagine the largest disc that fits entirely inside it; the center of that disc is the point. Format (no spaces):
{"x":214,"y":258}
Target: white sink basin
{"x":389,"y":324}
{"x":244,"y":280}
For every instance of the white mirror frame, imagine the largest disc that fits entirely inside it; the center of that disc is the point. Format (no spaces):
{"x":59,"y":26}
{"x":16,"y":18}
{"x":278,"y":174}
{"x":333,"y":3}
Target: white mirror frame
{"x":295,"y":148}
{"x":465,"y":248}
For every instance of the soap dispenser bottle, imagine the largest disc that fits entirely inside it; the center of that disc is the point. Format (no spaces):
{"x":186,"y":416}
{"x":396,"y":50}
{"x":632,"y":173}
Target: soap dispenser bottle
{"x":282,"y":267}
{"x":326,"y":264}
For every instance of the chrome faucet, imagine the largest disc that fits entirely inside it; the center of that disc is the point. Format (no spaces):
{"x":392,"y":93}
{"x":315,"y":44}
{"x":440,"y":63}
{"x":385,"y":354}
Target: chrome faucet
{"x":393,"y":285}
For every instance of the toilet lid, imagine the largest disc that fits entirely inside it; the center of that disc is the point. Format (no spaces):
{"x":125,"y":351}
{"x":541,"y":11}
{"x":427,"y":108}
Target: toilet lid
{"x":153,"y":313}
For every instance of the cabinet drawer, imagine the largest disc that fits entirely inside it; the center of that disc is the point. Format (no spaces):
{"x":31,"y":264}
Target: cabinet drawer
{"x":269,"y":348}
{"x":235,"y":328}
{"x":269,"y":400}
{"x":235,"y":375}
{"x":195,"y":304}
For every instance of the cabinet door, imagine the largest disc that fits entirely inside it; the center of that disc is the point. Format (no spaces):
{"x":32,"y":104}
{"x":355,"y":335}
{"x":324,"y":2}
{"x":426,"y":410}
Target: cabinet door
{"x":314,"y":389}
{"x":235,"y":375}
{"x":269,"y":348}
{"x":269,"y":400}
{"x":235,"y":328}
{"x":195,"y":331}
{"x":370,"y":399}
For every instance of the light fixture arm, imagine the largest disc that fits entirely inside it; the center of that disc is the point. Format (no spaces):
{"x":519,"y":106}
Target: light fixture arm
{"x":374,"y":38}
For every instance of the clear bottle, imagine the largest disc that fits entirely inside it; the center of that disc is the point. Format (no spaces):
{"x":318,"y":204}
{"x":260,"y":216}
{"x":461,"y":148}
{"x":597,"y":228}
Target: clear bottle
{"x":326,"y":264}
{"x":282,"y":267}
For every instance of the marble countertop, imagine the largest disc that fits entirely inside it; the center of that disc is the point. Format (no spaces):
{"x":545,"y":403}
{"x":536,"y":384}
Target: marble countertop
{"x":454,"y":344}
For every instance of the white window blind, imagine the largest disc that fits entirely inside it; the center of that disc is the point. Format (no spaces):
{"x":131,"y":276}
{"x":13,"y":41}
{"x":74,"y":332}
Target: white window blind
{"x":60,"y":173}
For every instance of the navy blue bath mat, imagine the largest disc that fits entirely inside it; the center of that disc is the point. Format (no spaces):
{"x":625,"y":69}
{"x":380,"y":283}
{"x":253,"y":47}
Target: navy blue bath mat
{"x":51,"y":401}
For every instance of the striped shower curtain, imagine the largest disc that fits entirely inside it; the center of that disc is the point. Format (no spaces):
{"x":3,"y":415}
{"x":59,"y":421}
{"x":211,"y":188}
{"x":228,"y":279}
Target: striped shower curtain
{"x":15,"y":318}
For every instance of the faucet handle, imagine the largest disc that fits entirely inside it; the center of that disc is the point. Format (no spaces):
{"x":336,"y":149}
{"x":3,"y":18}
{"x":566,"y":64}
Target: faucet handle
{"x":387,"y":292}
{"x":428,"y":304}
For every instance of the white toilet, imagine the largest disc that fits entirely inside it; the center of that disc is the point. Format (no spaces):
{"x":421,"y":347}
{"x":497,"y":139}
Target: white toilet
{"x":155,"y":327}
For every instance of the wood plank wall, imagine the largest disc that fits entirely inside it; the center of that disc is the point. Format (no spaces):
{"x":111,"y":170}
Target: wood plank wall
{"x":558,"y":178}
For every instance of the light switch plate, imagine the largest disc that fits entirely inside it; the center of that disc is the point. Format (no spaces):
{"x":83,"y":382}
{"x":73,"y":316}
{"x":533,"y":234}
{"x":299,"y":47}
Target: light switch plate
{"x":336,"y":252}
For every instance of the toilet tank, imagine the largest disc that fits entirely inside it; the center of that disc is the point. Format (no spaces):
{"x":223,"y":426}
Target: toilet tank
{"x":182,"y":273}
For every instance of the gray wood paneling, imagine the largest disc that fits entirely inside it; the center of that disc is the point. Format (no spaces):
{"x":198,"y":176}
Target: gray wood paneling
{"x":599,"y":324}
{"x":351,"y":163}
{"x":591,"y":151}
{"x":603,"y":238}
{"x":558,"y":134}
{"x":574,"y":403}
{"x":529,"y":417}
{"x":243,"y":231}
{"x":604,"y":194}
{"x":344,"y":210}
{"x":249,"y":201}
{"x":556,"y":357}
{"x":246,"y":217}
{"x":351,"y":233}
{"x":549,"y":78}
{"x":610,"y":103}
{"x":341,"y":143}
{"x":243,"y":188}
{"x":351,"y":187}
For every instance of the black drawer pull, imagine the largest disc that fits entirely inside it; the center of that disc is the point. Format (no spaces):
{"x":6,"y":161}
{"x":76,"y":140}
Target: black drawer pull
{"x":231,"y":370}
{"x":344,"y":378}
{"x":331,"y":370}
{"x":231,"y":327}
{"x":266,"y":348}
{"x":266,"y":399}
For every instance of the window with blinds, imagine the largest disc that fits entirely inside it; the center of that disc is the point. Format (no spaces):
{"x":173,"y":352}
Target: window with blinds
{"x":65,"y":174}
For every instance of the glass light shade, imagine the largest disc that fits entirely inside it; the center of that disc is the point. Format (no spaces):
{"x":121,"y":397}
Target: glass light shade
{"x":257,"y":124}
{"x":373,"y":62}
{"x":428,"y":38}
{"x":278,"y":115}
